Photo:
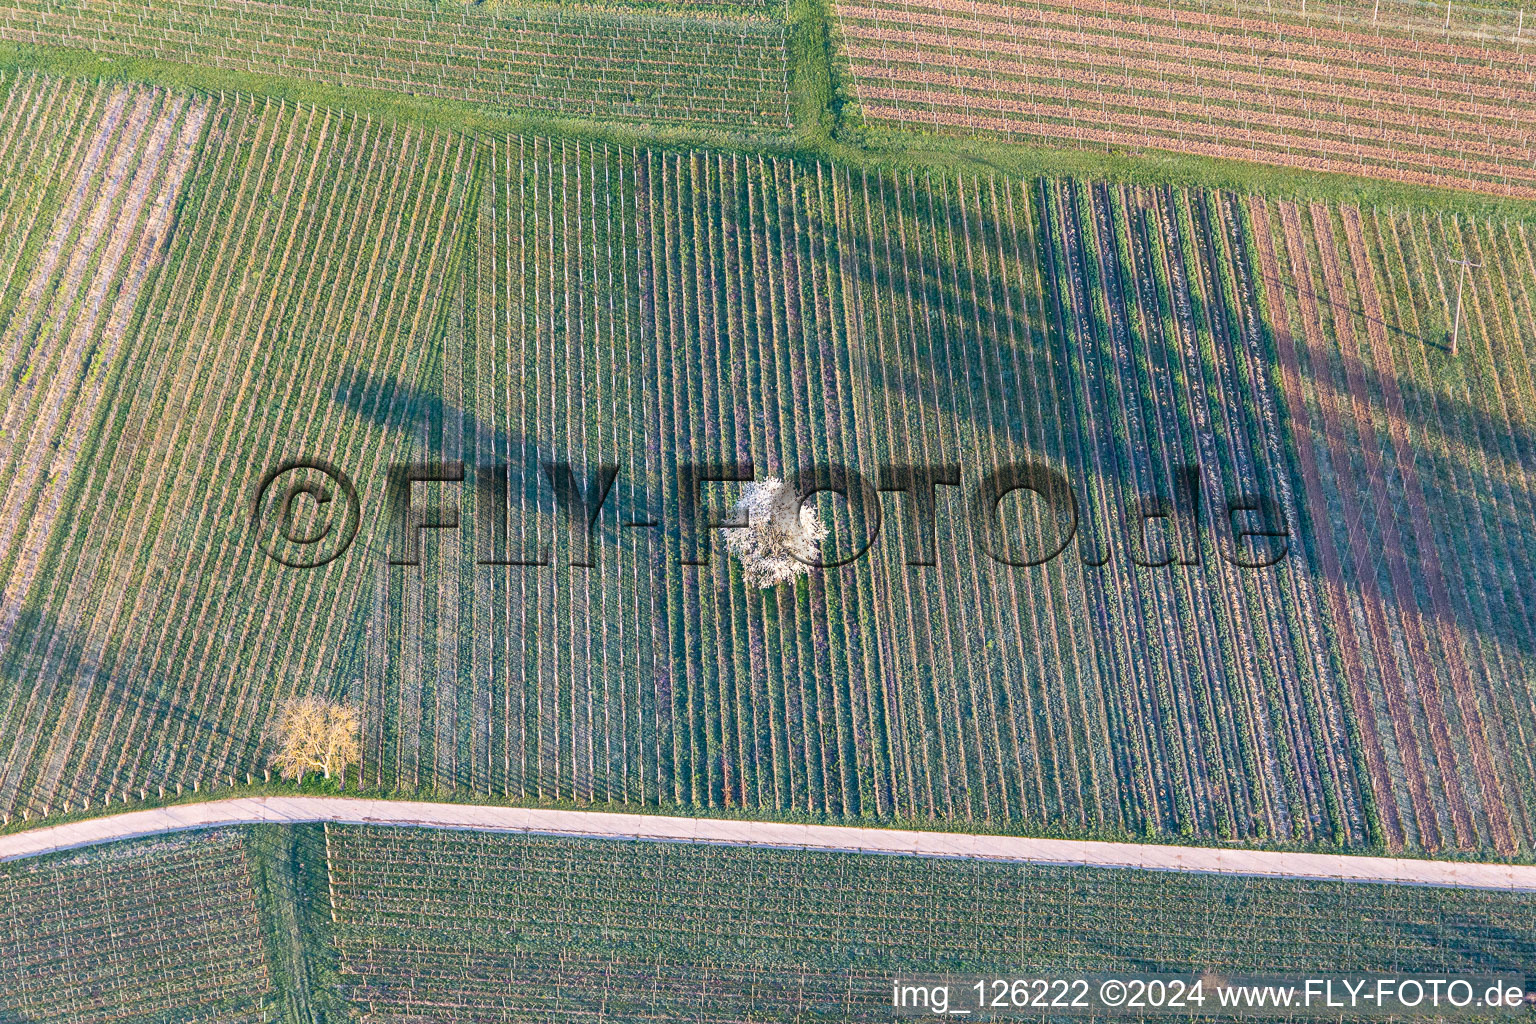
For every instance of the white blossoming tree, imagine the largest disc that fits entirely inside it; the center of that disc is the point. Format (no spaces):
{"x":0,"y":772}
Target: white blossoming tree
{"x":779,"y":540}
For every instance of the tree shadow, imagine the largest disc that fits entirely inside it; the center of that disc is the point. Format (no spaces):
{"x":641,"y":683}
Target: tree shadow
{"x":69,"y":667}
{"x":422,"y":412}
{"x":962,"y":307}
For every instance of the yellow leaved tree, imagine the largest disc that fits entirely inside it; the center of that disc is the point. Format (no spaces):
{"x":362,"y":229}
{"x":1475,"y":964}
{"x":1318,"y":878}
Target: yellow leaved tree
{"x":317,"y":735}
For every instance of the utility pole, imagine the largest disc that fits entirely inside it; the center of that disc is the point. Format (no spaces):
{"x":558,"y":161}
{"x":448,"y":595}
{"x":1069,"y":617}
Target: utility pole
{"x":1464,"y":264}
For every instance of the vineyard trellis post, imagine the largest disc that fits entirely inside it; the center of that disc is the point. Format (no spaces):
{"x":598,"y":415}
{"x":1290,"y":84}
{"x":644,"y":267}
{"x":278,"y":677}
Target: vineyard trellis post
{"x":1461,"y":279}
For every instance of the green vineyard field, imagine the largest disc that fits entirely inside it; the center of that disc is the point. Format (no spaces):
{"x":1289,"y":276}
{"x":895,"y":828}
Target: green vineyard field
{"x":402,"y":619}
{"x":448,"y":926}
{"x":701,"y":64}
{"x":278,"y":923}
{"x":318,"y":284}
{"x":135,"y":931}
{"x":1409,"y":92}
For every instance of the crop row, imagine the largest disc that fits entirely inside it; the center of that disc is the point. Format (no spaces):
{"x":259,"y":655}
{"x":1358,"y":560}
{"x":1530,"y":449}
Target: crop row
{"x":602,"y":63}
{"x":1151,"y":76}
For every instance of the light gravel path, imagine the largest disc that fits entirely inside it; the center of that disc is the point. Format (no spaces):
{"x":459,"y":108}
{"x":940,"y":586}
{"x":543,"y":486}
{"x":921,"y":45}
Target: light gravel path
{"x":605,"y":825}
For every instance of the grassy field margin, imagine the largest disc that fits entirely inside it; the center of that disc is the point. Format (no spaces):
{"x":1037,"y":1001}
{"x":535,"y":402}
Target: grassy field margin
{"x":292,"y":881}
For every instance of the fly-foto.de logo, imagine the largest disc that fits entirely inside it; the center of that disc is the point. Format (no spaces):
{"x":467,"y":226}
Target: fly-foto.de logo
{"x":306,"y":513}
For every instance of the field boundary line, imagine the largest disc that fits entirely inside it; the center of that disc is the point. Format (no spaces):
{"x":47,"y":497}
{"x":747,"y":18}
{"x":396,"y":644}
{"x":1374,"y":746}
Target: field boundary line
{"x":783,"y":835}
